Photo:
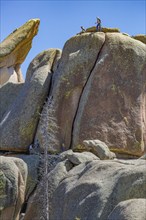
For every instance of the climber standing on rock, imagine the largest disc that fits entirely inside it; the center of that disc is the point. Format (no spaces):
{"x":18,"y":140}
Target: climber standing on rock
{"x":98,"y":22}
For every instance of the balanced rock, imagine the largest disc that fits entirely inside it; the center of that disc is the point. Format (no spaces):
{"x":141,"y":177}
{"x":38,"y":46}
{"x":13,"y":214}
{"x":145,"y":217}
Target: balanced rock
{"x":14,"y":50}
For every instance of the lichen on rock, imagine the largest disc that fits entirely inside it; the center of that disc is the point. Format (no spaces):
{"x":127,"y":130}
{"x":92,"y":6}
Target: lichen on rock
{"x":14,"y":50}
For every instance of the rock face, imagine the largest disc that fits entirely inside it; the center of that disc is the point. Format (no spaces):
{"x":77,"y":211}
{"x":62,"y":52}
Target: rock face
{"x":79,"y":56}
{"x":97,"y":96}
{"x":80,"y":187}
{"x":112,"y":106}
{"x":129,"y":210}
{"x":99,"y":93}
{"x":14,"y":50}
{"x":99,"y":148}
{"x":91,"y":191}
{"x":18,"y":125}
{"x":98,"y":90}
{"x":8,"y":93}
{"x":33,"y":163}
{"x":19,"y":175}
{"x":36,"y":208}
{"x":13,"y":177}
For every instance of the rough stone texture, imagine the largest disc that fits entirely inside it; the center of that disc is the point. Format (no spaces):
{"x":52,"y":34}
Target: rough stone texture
{"x":35,"y":209}
{"x":78,"y":58}
{"x":133,"y":209}
{"x":143,"y":157}
{"x":46,"y":111}
{"x":33,"y":164}
{"x":77,"y":158}
{"x":14,"y":50}
{"x":9,"y":74}
{"x":13,"y":177}
{"x":91,"y":191}
{"x":112,"y":106}
{"x":140,"y":37}
{"x":99,"y":148}
{"x":19,"y":123}
{"x":46,"y":58}
{"x":8,"y":94}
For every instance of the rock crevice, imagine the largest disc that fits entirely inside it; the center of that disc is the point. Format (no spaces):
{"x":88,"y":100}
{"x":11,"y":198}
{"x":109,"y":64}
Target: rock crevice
{"x":90,"y":73}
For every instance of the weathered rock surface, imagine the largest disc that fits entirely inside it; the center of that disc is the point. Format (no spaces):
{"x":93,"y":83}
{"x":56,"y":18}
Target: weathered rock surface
{"x":64,"y":163}
{"x":13,"y":177}
{"x":91,"y":191}
{"x":77,"y":158}
{"x":129,"y":210}
{"x":33,"y":172}
{"x":14,"y":50}
{"x":8,"y":94}
{"x":96,"y":96}
{"x":77,"y":61}
{"x":99,"y":148}
{"x":97,"y":87}
{"x":112,"y":105}
{"x":19,"y":123}
{"x":140,"y":37}
{"x":36,"y":208}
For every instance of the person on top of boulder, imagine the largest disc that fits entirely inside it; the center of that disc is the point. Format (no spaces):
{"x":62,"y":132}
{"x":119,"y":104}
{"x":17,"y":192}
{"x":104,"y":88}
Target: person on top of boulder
{"x":98,"y":22}
{"x":83,"y":29}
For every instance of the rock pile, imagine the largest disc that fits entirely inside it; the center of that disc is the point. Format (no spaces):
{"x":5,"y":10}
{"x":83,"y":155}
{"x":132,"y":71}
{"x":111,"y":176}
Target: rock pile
{"x":94,"y":90}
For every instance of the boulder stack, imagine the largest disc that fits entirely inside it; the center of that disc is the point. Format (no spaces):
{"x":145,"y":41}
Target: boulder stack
{"x":73,"y":135}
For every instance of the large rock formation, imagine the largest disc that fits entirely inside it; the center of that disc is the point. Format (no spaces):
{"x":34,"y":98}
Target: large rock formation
{"x":79,"y":56}
{"x":19,"y":123}
{"x":112,"y":106}
{"x":14,"y":50}
{"x":97,"y":98}
{"x":99,"y":93}
{"x":91,"y":191}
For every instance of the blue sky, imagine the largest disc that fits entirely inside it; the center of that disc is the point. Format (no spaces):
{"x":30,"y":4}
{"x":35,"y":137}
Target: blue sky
{"x":60,"y":20}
